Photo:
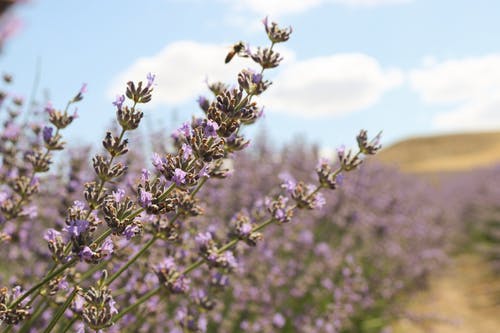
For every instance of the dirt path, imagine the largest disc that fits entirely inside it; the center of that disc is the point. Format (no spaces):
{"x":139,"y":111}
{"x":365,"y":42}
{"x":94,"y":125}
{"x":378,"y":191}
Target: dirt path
{"x":459,"y":300}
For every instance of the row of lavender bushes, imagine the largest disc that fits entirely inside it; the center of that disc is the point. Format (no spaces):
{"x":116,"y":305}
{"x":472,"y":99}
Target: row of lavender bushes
{"x":208,"y":236}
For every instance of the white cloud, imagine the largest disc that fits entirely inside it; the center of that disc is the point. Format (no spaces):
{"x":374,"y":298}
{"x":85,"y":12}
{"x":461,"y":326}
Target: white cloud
{"x":284,"y":7}
{"x":181,"y":69}
{"x":477,"y":115}
{"x":332,"y":85}
{"x":471,"y":86}
{"x":322,"y":86}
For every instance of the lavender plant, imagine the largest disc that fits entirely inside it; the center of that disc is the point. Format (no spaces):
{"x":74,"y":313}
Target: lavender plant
{"x":207,"y":237}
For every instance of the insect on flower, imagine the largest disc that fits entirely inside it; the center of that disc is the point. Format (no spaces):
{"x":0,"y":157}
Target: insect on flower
{"x":238,"y":48}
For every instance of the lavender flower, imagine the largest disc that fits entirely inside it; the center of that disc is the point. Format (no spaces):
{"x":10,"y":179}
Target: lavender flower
{"x":179,"y":177}
{"x":151,"y":79}
{"x":77,"y":227}
{"x":120,"y":99}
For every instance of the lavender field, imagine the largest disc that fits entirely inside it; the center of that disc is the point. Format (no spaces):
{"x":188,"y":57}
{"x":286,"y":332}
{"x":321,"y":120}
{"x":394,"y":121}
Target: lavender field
{"x":209,"y":221}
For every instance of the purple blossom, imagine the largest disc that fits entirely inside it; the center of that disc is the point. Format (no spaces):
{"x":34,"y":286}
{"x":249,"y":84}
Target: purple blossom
{"x":11,"y":131}
{"x":34,"y":182}
{"x":187,"y":151}
{"x":319,"y":201}
{"x":230,"y":259}
{"x":87,"y":254}
{"x":341,"y":152}
{"x":120,"y":99}
{"x":30,"y":211}
{"x":289,"y":183}
{"x":256,"y":78}
{"x":49,"y":108}
{"x":112,"y":306}
{"x":145,"y":174}
{"x":63,"y":284}
{"x":78,"y":205}
{"x":185,"y":130}
{"x":131,"y":231}
{"x":107,"y":248}
{"x":145,"y":198}
{"x":280,"y":215}
{"x":202,"y":101}
{"x":339,"y":179}
{"x":118,"y":195}
{"x":3,"y":196}
{"x":78,"y":303}
{"x":181,"y":285}
{"x":51,"y":235}
{"x":204,"y":172}
{"x":151,"y":79}
{"x":77,"y":227}
{"x":167,"y":264}
{"x":278,"y":320}
{"x":47,"y":133}
{"x":179,"y":177}
{"x":211,"y":128}
{"x":158,"y":162}
{"x":246,"y":229}
{"x":203,"y":238}
{"x":83,"y":89}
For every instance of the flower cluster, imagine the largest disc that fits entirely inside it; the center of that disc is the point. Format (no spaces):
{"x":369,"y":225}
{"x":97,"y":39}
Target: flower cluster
{"x":206,"y":236}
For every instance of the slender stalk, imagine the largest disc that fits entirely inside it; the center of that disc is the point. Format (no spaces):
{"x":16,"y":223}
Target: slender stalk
{"x":60,"y":311}
{"x":68,"y":325}
{"x":41,"y":309}
{"x":131,"y":261}
{"x":141,"y":300}
{"x":152,"y":240}
{"x":42,"y":282}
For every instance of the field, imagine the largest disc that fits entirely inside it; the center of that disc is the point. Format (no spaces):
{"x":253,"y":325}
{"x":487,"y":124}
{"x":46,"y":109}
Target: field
{"x":159,"y":224}
{"x":463,"y":297}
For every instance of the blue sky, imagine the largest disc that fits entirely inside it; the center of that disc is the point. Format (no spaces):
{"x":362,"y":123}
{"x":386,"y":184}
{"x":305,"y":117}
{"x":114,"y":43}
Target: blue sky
{"x":407,"y":67}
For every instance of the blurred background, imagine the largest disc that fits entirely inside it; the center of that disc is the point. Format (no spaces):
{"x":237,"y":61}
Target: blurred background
{"x":425,"y":72}
{"x":407,"y":67}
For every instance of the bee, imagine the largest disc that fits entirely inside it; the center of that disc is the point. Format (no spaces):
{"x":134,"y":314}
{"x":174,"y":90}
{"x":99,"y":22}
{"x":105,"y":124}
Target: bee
{"x":238,"y":48}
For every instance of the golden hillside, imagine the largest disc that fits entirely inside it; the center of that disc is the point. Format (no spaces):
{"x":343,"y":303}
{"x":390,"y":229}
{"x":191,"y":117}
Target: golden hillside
{"x":454,"y":152}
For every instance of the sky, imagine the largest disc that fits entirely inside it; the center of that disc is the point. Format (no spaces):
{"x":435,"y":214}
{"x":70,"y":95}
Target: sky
{"x":406,"y":67}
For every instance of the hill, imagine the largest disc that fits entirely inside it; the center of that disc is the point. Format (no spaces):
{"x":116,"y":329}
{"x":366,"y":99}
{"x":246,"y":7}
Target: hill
{"x":444,"y":153}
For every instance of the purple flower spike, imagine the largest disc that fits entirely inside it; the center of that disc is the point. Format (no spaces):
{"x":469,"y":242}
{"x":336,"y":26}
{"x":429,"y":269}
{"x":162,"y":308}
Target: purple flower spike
{"x":107,"y":248}
{"x":185,"y":130}
{"x":51,"y":235}
{"x":256,"y":78}
{"x":179,"y":177}
{"x":145,"y":198}
{"x":118,"y":195}
{"x":157,"y":162}
{"x":319,"y":201}
{"x":278,"y":320}
{"x":211,"y":128}
{"x":87,"y":253}
{"x":49,"y":108}
{"x":83,"y":89}
{"x":187,"y":151}
{"x":119,"y":101}
{"x":151,"y":79}
{"x":131,"y":231}
{"x":145,"y":174}
{"x":47,"y":133}
{"x":203,"y":238}
{"x":12,"y":131}
{"x":77,"y":227}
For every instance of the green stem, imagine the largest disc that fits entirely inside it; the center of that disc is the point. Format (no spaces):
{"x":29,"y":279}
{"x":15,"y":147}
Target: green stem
{"x":46,"y":279}
{"x":41,"y":309}
{"x":141,"y":300}
{"x":60,"y":311}
{"x":68,"y":326}
{"x":131,"y":261}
